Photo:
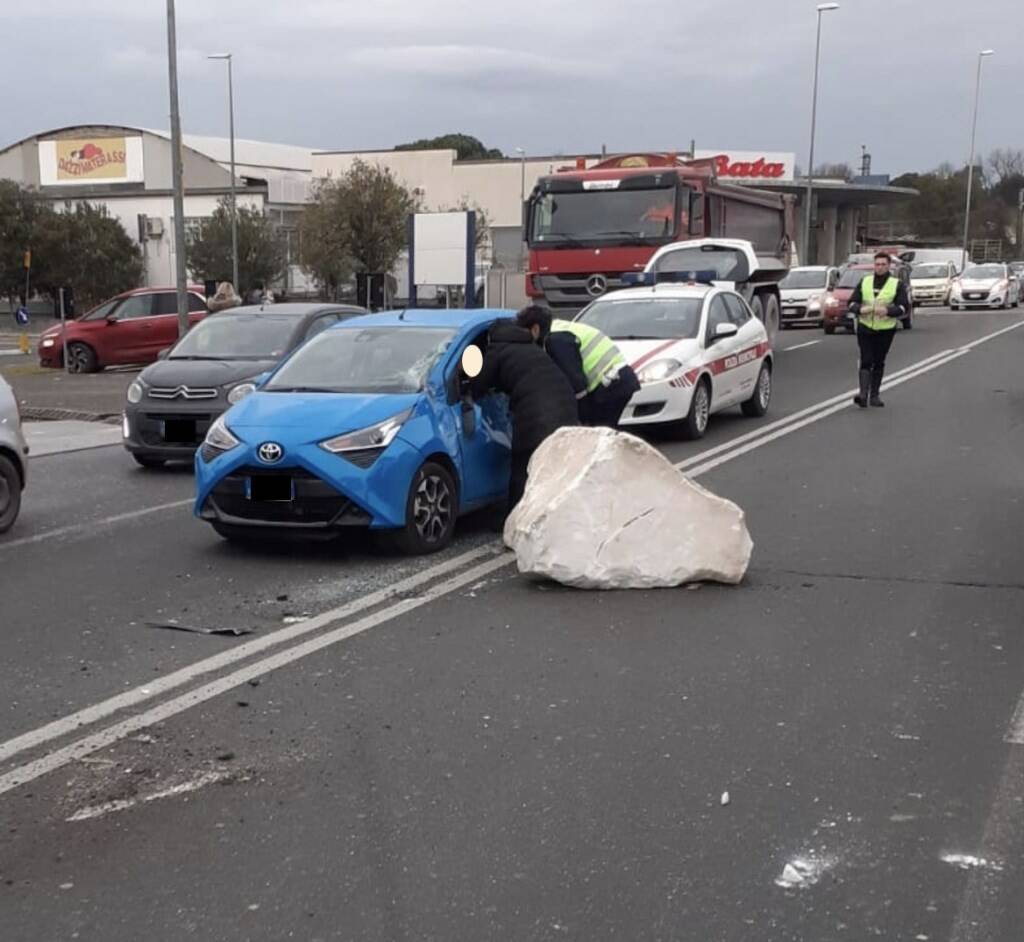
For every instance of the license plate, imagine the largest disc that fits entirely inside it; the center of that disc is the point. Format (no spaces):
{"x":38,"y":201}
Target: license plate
{"x":973,"y":297}
{"x":180,"y":431}
{"x":271,"y":487}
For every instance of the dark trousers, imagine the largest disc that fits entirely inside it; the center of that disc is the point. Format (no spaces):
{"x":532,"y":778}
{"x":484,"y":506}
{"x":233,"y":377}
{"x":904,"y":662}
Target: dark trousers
{"x":517,"y":479}
{"x":874,"y":348}
{"x":605,"y":405}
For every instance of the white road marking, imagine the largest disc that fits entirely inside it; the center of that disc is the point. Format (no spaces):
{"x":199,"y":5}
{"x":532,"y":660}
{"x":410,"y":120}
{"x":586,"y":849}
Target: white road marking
{"x":1015,"y":731}
{"x":74,"y":722}
{"x":799,"y":346}
{"x":123,"y":804}
{"x":73,"y":528}
{"x":163,"y":711}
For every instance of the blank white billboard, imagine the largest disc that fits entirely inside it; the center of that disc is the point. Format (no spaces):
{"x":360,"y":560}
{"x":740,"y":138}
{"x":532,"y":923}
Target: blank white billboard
{"x":440,"y":247}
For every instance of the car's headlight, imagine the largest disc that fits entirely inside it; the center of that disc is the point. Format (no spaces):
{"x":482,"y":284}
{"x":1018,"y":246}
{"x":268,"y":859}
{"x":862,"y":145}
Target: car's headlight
{"x":659,"y":370}
{"x":831,"y":302}
{"x":135,"y":392}
{"x":814,"y":304}
{"x":218,"y":440}
{"x":49,"y":342}
{"x":373,"y":439}
{"x":240,"y":392}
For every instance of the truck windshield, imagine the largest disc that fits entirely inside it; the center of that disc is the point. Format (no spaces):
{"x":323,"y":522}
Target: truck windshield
{"x":604,"y":216}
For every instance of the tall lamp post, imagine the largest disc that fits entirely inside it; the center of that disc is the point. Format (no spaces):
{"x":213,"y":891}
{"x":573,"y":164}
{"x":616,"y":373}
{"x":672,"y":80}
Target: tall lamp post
{"x":822,"y":8}
{"x":177,"y":175}
{"x":226,"y":57}
{"x":522,"y":202}
{"x":985,"y":53}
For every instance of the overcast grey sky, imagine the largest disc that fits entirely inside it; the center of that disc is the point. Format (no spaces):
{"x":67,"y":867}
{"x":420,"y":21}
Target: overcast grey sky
{"x":548,"y":75}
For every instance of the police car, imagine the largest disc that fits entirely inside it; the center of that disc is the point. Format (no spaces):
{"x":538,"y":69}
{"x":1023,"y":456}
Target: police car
{"x":695,"y":345}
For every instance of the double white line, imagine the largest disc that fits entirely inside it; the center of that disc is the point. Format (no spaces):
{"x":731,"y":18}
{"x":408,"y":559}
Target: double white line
{"x":242,"y":663}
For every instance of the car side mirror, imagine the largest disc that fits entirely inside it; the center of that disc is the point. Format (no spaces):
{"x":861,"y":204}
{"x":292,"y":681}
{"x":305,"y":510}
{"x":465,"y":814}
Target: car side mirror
{"x":111,"y":319}
{"x":725,"y":330}
{"x":258,"y":381}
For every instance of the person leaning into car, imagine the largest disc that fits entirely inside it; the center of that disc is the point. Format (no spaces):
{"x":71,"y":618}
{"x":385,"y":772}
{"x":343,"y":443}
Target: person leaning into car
{"x":877,"y":303}
{"x":541,"y":399}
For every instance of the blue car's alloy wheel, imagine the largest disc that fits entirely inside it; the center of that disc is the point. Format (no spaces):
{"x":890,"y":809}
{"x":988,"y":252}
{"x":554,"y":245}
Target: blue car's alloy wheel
{"x":430,"y":512}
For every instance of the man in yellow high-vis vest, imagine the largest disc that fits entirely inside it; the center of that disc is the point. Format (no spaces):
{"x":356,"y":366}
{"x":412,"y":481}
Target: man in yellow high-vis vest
{"x":878,"y":303}
{"x":600,"y":376}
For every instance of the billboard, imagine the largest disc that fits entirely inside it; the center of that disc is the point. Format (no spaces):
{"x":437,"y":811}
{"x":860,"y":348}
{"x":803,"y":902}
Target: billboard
{"x":738,"y":166}
{"x":80,"y":161}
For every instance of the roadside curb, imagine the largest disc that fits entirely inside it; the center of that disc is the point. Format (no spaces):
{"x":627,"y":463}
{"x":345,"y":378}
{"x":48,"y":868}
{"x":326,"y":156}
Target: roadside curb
{"x":33,"y":414}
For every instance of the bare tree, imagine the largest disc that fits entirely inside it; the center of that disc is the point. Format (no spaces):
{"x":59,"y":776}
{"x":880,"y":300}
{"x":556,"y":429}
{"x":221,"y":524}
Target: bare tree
{"x":1006,"y":162}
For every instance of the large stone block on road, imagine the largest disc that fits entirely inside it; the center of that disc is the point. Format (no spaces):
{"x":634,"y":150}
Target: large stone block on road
{"x":605,"y":510}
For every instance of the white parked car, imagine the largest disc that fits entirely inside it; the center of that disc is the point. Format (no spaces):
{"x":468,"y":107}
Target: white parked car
{"x":932,"y":282}
{"x":991,"y":285}
{"x":13,"y":458}
{"x":697,"y":349}
{"x":803,"y":293}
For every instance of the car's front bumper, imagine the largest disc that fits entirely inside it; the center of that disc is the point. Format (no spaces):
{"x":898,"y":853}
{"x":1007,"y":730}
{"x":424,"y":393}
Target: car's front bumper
{"x":989,"y":303}
{"x":655,"y":403}
{"x":328,"y":492}
{"x":801,"y":314}
{"x":171,"y":431}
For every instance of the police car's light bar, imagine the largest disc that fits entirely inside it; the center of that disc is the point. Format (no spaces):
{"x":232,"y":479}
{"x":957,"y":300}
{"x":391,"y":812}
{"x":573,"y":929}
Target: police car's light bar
{"x":705,"y":276}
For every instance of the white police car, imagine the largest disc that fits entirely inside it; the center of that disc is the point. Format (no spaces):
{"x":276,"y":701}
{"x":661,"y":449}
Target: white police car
{"x":696,"y":348}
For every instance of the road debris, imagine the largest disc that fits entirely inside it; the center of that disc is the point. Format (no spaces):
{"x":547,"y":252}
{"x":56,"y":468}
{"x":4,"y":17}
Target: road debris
{"x":195,"y":629}
{"x":969,"y":862}
{"x":725,"y":799}
{"x":802,"y":872}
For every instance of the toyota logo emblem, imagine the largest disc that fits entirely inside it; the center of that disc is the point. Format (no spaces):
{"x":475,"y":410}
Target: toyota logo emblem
{"x":597,"y":285}
{"x":270,"y":452}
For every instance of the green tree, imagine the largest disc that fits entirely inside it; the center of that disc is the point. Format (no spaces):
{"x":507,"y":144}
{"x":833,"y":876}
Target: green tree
{"x":87,"y":249}
{"x":355,"y":224}
{"x":466,"y":146}
{"x":261,"y":253}
{"x":22,"y":218}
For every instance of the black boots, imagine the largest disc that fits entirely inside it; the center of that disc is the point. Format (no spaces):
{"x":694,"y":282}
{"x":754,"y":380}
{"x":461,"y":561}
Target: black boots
{"x":876,"y":386}
{"x":865,"y":384}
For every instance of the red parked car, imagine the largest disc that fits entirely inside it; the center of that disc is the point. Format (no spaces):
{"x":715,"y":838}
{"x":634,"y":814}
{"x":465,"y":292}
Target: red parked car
{"x":131,"y":328}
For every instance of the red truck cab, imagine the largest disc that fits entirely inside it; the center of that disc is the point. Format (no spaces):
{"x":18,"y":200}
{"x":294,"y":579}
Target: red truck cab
{"x":587,"y":227}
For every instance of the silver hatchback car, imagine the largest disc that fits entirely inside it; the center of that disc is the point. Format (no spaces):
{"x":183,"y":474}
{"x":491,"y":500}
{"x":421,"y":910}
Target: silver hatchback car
{"x":13,"y":458}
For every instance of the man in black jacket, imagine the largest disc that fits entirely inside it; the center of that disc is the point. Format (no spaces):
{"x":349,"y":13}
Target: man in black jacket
{"x":540,"y":397}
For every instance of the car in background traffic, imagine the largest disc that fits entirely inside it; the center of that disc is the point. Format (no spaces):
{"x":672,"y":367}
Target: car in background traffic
{"x":173,"y":402}
{"x":837,"y":303}
{"x":696,"y":348}
{"x":803,"y":293}
{"x":1018,"y":269}
{"x":932,"y":282}
{"x":990,"y":285}
{"x":368,"y":425}
{"x":131,"y":328}
{"x":13,"y":458}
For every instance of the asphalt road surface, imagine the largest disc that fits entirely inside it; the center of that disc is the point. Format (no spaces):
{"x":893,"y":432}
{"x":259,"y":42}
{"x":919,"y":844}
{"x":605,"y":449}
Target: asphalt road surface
{"x":440,"y":749}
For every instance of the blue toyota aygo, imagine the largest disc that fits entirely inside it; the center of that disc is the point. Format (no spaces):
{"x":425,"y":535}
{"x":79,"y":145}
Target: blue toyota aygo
{"x":367,"y":425}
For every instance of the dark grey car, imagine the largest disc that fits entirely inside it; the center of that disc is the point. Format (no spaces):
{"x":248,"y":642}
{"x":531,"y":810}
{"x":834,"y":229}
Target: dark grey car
{"x":174,"y":401}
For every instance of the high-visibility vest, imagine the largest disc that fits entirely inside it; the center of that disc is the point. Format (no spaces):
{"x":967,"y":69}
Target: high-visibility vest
{"x":598,"y":351}
{"x":886,"y":296}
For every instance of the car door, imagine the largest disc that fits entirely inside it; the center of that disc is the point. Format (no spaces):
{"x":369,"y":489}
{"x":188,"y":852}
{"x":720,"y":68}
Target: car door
{"x":749,"y":337}
{"x":128,"y":335}
{"x":721,"y":355}
{"x":484,"y":433}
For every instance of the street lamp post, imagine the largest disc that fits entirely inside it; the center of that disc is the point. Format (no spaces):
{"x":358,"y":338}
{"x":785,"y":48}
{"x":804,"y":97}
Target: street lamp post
{"x":226,"y":57}
{"x":177,"y":176}
{"x":822,"y":8}
{"x":970,"y":163}
{"x":522,"y":202}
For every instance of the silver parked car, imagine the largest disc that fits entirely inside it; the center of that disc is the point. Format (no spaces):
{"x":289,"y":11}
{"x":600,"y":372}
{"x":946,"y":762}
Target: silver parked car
{"x":13,"y":458}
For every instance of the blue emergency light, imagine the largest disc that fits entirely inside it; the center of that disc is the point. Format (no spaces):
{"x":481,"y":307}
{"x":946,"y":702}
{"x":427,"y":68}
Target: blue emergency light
{"x":704,"y":276}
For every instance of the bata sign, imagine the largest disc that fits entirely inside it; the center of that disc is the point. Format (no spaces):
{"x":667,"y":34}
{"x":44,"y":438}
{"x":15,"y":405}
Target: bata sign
{"x":739,"y":166}
{"x":79,"y":161}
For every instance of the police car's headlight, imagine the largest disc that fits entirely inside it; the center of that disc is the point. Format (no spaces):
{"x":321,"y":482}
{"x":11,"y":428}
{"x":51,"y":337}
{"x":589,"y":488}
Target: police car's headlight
{"x":375,"y":437}
{"x":135,"y":392}
{"x":49,"y":342}
{"x":240,"y":392}
{"x":658,"y":370}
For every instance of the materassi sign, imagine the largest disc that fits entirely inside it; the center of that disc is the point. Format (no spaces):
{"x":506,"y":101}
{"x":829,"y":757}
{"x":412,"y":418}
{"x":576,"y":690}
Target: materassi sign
{"x":73,"y":161}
